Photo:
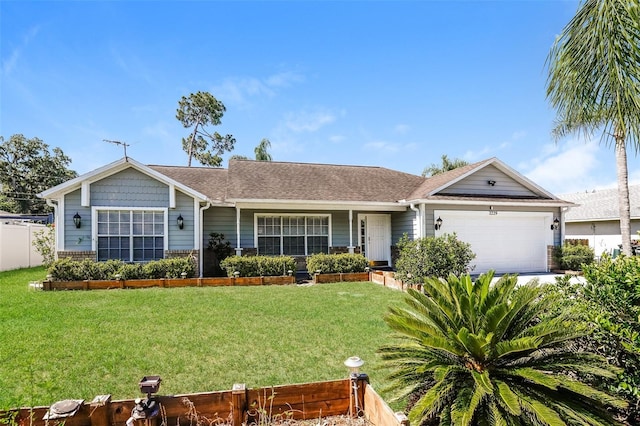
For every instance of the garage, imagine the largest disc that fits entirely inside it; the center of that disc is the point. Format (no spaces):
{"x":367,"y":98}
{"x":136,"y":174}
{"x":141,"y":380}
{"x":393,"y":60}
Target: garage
{"x":508,"y":242}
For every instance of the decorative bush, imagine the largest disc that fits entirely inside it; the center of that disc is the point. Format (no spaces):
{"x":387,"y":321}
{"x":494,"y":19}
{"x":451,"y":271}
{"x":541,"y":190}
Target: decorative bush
{"x":609,"y":302}
{"x":432,"y":257}
{"x":45,"y":243}
{"x":573,"y":256}
{"x":257,"y":266}
{"x":73,"y":270}
{"x":336,"y":263}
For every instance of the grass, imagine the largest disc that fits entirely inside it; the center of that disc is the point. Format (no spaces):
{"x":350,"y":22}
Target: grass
{"x":78,"y":344}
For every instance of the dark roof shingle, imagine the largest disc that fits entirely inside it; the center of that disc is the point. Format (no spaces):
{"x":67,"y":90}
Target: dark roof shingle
{"x":208,"y":181}
{"x":267,"y":180}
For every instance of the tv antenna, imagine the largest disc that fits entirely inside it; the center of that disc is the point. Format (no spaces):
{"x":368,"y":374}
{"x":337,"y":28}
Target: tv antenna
{"x":123,"y":144}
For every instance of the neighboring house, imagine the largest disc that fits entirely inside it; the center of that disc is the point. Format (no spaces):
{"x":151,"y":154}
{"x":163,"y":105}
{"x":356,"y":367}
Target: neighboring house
{"x":127,"y":210}
{"x":596,"y":218}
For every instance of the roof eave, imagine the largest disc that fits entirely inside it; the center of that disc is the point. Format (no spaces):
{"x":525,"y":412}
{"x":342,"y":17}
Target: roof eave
{"x":494,"y":202}
{"x":100,"y":173}
{"x":317,"y":204}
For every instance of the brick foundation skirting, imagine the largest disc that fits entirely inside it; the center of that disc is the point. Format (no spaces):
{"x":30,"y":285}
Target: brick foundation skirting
{"x":172,"y":254}
{"x":77,"y":255}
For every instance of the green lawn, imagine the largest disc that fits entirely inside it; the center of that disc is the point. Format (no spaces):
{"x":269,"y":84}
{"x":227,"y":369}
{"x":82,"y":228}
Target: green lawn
{"x":78,"y":344}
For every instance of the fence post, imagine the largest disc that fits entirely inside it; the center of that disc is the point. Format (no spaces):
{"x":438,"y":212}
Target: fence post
{"x":100,"y":410}
{"x":362,"y":381}
{"x":238,"y":403}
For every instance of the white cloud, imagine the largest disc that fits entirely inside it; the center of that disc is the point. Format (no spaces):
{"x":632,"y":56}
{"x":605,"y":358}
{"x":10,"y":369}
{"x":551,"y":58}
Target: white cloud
{"x":10,"y":63}
{"x":284,"y":79}
{"x":308,"y":122}
{"x":517,"y":135}
{"x":382,"y":146}
{"x":472,"y":156}
{"x":402,"y":128}
{"x":239,"y":90}
{"x":492,"y":151}
{"x":569,"y":167}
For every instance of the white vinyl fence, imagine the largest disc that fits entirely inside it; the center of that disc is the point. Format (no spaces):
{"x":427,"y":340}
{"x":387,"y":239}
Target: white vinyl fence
{"x":16,"y":248}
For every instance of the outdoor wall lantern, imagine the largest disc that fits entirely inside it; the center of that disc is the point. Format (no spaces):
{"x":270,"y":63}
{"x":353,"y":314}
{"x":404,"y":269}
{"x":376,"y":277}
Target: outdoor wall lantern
{"x":180,"y":222}
{"x":438,"y":223}
{"x":555,"y":225}
{"x":491,"y":182}
{"x":77,"y":220}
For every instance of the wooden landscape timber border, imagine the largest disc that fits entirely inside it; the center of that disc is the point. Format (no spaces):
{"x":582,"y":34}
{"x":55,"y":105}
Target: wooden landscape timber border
{"x":199,"y":282}
{"x":236,"y":407}
{"x":167,"y":282}
{"x":387,"y":279}
{"x":337,"y":278}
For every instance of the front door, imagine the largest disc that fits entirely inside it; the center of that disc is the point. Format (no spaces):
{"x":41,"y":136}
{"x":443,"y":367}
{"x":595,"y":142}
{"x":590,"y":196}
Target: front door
{"x":375,"y":237}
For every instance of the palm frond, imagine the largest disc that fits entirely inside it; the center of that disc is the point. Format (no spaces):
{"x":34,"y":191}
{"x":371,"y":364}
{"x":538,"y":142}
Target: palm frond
{"x":473,"y":344}
{"x":594,"y":394}
{"x":423,"y":408}
{"x":534,"y":376}
{"x":507,"y":398}
{"x":543,"y":414}
{"x":517,"y":346}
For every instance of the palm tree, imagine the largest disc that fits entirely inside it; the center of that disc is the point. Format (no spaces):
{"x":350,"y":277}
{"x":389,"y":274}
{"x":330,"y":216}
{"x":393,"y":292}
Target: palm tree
{"x":594,"y":74}
{"x":261,"y":150}
{"x":482,"y":354}
{"x":446,"y":165}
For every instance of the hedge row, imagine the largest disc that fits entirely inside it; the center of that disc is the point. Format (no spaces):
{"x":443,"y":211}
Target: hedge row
{"x":73,"y":270}
{"x":258,"y":266}
{"x":336,"y":263}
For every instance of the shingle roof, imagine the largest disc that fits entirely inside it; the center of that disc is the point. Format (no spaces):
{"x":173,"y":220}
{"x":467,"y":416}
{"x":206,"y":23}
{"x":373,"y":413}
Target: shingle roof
{"x":209,"y":181}
{"x":271,"y":180}
{"x":601,"y":204}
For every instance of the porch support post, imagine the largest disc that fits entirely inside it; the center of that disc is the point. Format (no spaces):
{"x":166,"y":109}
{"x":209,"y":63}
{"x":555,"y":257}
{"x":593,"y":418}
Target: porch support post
{"x":351,"y":247}
{"x":238,"y":248}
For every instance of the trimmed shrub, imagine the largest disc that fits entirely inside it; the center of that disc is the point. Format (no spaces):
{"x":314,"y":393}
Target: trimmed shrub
{"x":573,"y":256}
{"x":336,"y":263}
{"x":611,"y":301}
{"x":257,"y":266}
{"x":72,"y":270}
{"x":432,"y":256}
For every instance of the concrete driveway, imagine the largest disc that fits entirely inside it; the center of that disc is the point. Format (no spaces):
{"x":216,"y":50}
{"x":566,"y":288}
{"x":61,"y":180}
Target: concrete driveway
{"x":544,"y":278}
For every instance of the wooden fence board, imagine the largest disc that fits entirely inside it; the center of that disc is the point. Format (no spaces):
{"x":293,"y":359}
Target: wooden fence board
{"x":378,"y":412}
{"x":300,"y":401}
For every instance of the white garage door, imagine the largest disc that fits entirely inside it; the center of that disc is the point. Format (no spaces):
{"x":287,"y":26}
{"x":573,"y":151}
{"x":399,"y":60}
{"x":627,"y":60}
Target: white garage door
{"x":508,"y":242}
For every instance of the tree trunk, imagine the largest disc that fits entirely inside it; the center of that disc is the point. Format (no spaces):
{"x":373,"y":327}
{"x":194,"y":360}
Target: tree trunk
{"x":623,"y":194}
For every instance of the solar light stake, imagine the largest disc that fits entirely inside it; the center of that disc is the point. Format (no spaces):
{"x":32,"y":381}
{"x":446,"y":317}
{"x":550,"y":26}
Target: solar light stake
{"x":353,"y":364}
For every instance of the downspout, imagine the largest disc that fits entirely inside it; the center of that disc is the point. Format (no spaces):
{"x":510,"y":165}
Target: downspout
{"x":238,"y":248}
{"x":201,"y":244}
{"x":57,"y":225}
{"x":413,"y":207}
{"x":563,"y":210}
{"x":351,"y":247}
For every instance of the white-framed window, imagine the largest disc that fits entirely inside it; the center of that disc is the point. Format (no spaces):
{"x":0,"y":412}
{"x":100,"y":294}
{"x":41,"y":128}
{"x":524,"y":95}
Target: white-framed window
{"x":131,"y":235}
{"x":292,"y":234}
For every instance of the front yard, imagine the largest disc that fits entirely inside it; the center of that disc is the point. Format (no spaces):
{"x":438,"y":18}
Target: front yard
{"x":77,"y":344}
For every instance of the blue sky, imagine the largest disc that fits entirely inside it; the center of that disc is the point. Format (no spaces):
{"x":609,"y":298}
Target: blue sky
{"x":394,"y":84}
